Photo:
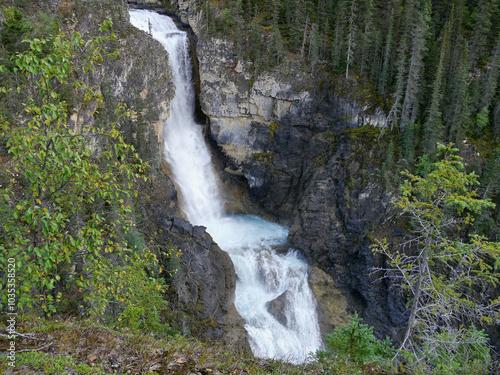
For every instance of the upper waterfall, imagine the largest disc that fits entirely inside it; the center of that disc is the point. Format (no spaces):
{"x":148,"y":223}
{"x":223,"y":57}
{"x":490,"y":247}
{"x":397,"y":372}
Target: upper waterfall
{"x":263,"y":275}
{"x":184,"y":142}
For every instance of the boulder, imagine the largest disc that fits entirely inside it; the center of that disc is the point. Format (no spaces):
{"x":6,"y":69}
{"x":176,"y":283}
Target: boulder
{"x":277,"y":307}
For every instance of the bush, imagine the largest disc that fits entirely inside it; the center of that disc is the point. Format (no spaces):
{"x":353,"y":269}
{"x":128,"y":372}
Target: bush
{"x":356,"y":342}
{"x":132,"y":299}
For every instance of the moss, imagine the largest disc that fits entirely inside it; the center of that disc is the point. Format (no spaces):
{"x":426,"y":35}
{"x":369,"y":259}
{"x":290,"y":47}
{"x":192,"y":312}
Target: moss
{"x":360,"y":90}
{"x":365,"y":133}
{"x":263,"y":157}
{"x":320,"y":159}
{"x":272,"y":128}
{"x":251,"y":82}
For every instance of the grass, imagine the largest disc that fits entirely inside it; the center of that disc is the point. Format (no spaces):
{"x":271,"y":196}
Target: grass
{"x":54,"y":364}
{"x":71,"y":345}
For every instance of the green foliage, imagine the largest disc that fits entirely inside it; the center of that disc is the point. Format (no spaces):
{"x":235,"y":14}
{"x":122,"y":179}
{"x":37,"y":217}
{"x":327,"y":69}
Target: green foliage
{"x":356,"y":342}
{"x":388,"y":164}
{"x":14,"y":29}
{"x":447,"y":263}
{"x":434,"y":63}
{"x":228,"y":17}
{"x":482,"y":121}
{"x":127,"y":297}
{"x":64,"y":210}
{"x":56,"y":365}
{"x":463,"y":351}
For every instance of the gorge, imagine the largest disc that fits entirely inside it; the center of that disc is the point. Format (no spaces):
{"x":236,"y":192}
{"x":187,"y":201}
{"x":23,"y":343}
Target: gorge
{"x":262,"y":275}
{"x":267,"y":176}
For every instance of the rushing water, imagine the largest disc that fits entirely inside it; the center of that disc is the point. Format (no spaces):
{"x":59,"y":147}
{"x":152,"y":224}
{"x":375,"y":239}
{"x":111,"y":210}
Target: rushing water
{"x":262,"y":275}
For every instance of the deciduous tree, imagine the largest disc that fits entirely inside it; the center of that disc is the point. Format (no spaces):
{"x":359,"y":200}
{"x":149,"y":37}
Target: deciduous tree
{"x":65,"y":211}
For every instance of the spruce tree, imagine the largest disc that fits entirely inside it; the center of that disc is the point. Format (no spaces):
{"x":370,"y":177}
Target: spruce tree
{"x":314,"y":45}
{"x":306,"y":27}
{"x":433,"y":127}
{"x":255,"y":42}
{"x":457,"y":118}
{"x":298,"y":21}
{"x":481,"y":29}
{"x":367,"y":39}
{"x":409,"y":108}
{"x":351,"y":35}
{"x":375,"y":65}
{"x":491,"y":79}
{"x":401,"y":76}
{"x":496,"y":119}
{"x":277,"y":48}
{"x":384,"y":75}
{"x":445,"y":275}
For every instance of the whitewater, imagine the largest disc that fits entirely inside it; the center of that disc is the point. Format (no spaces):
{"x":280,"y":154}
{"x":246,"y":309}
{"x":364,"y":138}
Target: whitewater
{"x":263,"y":275}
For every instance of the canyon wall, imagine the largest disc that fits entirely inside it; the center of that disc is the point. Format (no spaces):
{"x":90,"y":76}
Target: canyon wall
{"x":299,"y":142}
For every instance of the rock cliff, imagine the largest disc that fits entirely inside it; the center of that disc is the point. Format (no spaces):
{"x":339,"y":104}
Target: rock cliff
{"x":286,"y":133}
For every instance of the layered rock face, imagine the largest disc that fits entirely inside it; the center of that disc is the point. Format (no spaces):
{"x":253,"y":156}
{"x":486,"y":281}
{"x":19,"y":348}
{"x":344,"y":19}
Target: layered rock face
{"x":287,"y":134}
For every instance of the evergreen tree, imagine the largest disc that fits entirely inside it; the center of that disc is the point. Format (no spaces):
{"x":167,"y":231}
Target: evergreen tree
{"x":306,"y":27}
{"x":496,"y":119}
{"x":482,"y":121}
{"x":433,"y":127}
{"x":298,"y":22}
{"x":457,"y":118}
{"x":409,"y":108}
{"x":237,"y":13}
{"x":384,"y":75}
{"x":375,"y":66}
{"x":368,"y":33}
{"x":401,"y":76}
{"x":338,"y":37}
{"x":351,"y":35}
{"x":443,"y":273}
{"x":491,"y":79}
{"x":209,"y":15}
{"x":481,"y":29}
{"x":255,"y":42}
{"x":276,"y":4}
{"x":277,"y":44}
{"x":15,"y":27}
{"x":314,"y":45}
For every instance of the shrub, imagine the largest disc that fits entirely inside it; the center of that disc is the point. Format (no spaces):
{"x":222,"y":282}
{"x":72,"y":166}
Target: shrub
{"x":356,"y":342}
{"x":131,"y":299}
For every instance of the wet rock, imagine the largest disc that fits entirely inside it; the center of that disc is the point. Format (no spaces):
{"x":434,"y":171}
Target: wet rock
{"x":198,"y":231}
{"x":341,"y":208}
{"x":277,"y":307}
{"x":205,"y":283}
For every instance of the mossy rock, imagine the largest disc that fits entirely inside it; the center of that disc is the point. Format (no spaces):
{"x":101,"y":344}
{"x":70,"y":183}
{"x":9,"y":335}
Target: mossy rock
{"x":364,"y":133}
{"x":263,"y":157}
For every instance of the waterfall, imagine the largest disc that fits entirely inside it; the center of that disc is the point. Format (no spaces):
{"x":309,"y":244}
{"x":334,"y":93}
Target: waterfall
{"x":264,"y":278}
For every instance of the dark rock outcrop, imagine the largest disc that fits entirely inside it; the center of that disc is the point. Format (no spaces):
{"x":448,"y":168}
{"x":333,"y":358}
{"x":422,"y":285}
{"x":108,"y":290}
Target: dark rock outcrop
{"x":277,"y":306}
{"x":341,"y":207}
{"x":204,"y":282}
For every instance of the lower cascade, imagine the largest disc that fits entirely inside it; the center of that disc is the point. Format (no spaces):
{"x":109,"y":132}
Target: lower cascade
{"x":272,"y":291}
